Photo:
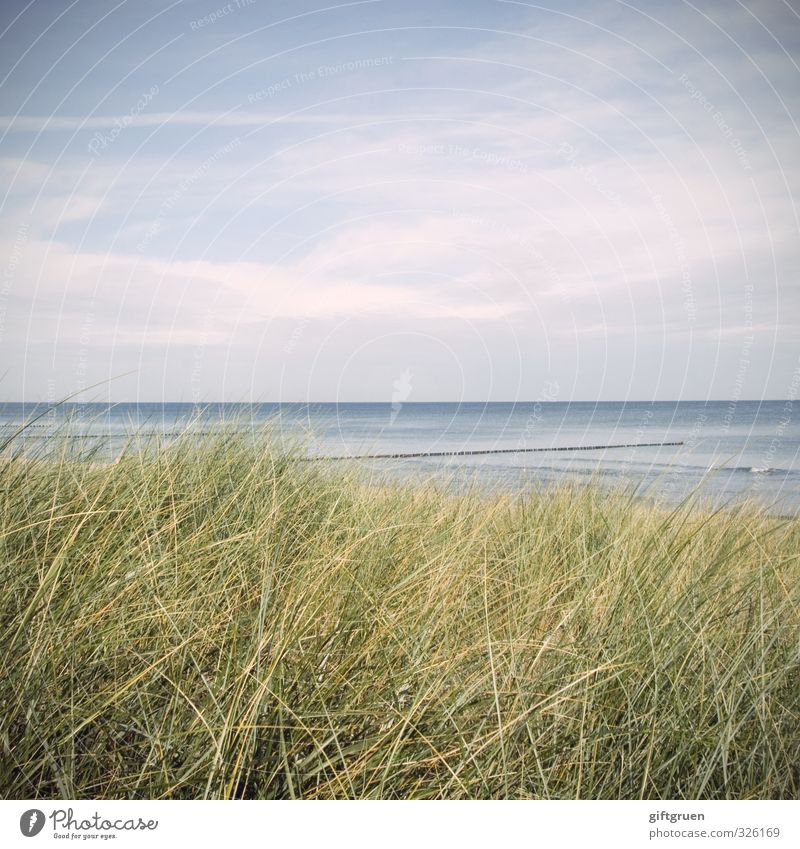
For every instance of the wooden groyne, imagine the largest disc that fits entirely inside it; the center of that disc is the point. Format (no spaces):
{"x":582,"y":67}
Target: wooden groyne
{"x":475,"y":452}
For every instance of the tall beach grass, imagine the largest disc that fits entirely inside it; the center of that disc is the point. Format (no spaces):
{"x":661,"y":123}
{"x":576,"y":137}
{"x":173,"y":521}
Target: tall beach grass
{"x":216,"y":618}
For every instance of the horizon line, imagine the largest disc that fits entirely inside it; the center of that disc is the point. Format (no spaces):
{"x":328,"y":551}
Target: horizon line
{"x":55,"y":404}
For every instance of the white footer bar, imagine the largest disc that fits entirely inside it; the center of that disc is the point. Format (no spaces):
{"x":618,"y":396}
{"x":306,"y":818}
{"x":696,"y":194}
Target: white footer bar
{"x":352,"y":825}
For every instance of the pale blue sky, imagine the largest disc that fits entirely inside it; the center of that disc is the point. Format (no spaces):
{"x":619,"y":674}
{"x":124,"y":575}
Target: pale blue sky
{"x":293,"y":201}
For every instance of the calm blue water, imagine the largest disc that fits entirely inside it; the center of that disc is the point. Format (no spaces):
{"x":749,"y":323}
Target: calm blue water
{"x":731,"y":451}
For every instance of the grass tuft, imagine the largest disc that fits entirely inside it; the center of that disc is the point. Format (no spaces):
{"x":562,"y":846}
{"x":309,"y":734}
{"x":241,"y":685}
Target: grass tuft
{"x":216,"y":618}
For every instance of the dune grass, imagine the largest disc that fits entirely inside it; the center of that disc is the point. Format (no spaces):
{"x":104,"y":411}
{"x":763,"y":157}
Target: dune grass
{"x":219,"y":619}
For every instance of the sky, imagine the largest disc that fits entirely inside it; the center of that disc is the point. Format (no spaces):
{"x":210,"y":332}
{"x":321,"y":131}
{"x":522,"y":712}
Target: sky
{"x":479,"y":200}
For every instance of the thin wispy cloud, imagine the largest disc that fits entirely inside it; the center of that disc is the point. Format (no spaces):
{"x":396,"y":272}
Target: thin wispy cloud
{"x":598,"y":183}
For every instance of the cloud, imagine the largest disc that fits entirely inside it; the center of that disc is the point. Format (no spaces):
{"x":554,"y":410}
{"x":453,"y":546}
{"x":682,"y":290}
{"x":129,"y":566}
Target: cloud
{"x":594,"y":172}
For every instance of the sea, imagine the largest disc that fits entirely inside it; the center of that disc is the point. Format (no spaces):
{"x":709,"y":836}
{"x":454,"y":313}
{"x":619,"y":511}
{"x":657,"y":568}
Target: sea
{"x":729,"y":451}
